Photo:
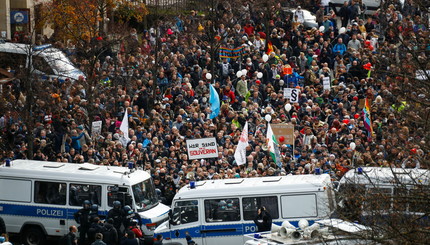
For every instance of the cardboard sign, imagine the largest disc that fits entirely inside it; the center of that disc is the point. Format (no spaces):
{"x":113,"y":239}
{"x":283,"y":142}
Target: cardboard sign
{"x":326,"y":83}
{"x":202,"y":148}
{"x":96,"y":128}
{"x":284,"y":130}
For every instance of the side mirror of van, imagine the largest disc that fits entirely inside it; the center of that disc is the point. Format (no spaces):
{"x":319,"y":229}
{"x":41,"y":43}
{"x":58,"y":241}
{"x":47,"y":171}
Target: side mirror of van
{"x":170,"y":217}
{"x":175,"y":216}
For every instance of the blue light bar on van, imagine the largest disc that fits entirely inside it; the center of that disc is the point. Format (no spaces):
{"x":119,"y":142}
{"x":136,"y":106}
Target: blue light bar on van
{"x":42,"y":47}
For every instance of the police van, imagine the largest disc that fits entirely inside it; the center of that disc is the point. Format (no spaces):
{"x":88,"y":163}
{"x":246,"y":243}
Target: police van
{"x":43,"y":61}
{"x":223,"y":211}
{"x":38,"y":199}
{"x":366,"y":192}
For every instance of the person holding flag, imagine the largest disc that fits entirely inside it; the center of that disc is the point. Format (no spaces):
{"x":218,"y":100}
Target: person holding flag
{"x":367,"y":118}
{"x":272,"y":146}
{"x":214,"y":101}
{"x":240,"y":154}
{"x":124,"y":129}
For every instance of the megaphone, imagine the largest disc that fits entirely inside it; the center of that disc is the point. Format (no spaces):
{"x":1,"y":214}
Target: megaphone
{"x":287,"y":224}
{"x":312,"y":232}
{"x":303,"y":224}
{"x":275,"y":228}
{"x":288,"y":232}
{"x":265,"y":147}
{"x":324,"y":231}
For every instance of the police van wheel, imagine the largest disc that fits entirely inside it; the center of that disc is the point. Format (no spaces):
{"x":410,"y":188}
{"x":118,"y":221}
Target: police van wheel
{"x":2,"y":226}
{"x":33,"y":236}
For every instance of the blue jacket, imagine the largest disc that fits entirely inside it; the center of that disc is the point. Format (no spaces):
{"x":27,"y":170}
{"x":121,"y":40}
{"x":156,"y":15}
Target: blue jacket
{"x":339,"y":48}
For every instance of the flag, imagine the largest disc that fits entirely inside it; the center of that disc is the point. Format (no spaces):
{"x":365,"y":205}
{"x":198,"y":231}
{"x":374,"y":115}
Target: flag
{"x":232,"y":53}
{"x":124,"y":129}
{"x":214,"y":101}
{"x":272,"y":146}
{"x":269,"y":47}
{"x":240,"y":154}
{"x":367,"y":118}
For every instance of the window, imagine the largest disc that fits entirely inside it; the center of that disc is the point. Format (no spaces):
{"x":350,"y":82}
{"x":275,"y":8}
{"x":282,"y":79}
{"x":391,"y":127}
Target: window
{"x":418,"y":199}
{"x":400,"y":198}
{"x":15,"y":61}
{"x":80,"y":192}
{"x":21,"y":191}
{"x":299,"y":206}
{"x":116,"y":193}
{"x":378,"y":199}
{"x":185,"y":212}
{"x":144,"y":195}
{"x":251,"y":204}
{"x":222,"y":210}
{"x":39,"y":63}
{"x":50,"y":192}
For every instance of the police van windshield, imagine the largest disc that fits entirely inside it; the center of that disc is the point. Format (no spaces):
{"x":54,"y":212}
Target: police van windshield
{"x":60,"y":62}
{"x":145,"y":195}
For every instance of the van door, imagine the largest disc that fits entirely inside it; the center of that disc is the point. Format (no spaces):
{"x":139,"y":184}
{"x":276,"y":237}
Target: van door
{"x":185,"y":222}
{"x":78,"y":193}
{"x":223,"y":222}
{"x":250,"y":207}
{"x":50,"y":200}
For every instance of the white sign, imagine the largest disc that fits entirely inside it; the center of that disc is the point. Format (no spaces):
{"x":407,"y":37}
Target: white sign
{"x":202,"y":148}
{"x":326,"y":83}
{"x":96,"y":128}
{"x":292,"y":94}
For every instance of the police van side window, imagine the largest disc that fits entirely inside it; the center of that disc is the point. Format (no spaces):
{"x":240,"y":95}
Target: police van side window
{"x":251,"y":204}
{"x":116,"y":193}
{"x":39,"y":63}
{"x":222,"y":210}
{"x":78,"y":193}
{"x":185,"y":212}
{"x":12,"y":60}
{"x":50,"y":192}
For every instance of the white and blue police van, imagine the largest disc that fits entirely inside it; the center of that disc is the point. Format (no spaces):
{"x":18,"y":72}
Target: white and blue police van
{"x":372,"y":191}
{"x":223,"y":211}
{"x":38,"y":199}
{"x":44,"y":61}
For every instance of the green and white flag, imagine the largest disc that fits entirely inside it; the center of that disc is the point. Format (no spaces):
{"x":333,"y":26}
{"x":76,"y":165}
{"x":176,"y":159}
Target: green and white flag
{"x":272,"y":146}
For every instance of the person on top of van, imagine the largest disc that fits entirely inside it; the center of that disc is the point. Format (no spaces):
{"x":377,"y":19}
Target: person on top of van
{"x":82,"y":217}
{"x":266,"y":223}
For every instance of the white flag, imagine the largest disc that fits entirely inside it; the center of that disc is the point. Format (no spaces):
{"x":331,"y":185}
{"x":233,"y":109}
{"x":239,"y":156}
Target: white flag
{"x":124,"y":129}
{"x":240,"y":154}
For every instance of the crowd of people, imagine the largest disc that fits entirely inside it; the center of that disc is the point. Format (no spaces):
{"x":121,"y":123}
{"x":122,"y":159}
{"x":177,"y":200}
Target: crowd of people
{"x":169,"y":107}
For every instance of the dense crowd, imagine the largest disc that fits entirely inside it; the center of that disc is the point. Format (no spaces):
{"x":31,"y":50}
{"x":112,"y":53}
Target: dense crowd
{"x":326,"y":121}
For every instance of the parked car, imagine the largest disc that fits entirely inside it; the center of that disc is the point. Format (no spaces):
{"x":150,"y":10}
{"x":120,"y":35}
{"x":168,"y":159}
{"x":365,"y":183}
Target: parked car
{"x":310,"y":19}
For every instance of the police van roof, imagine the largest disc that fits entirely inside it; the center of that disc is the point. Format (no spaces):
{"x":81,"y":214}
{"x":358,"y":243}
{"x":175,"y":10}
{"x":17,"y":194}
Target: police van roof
{"x":22,"y":48}
{"x":84,"y":172}
{"x":386,"y":175}
{"x":252,"y":186}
